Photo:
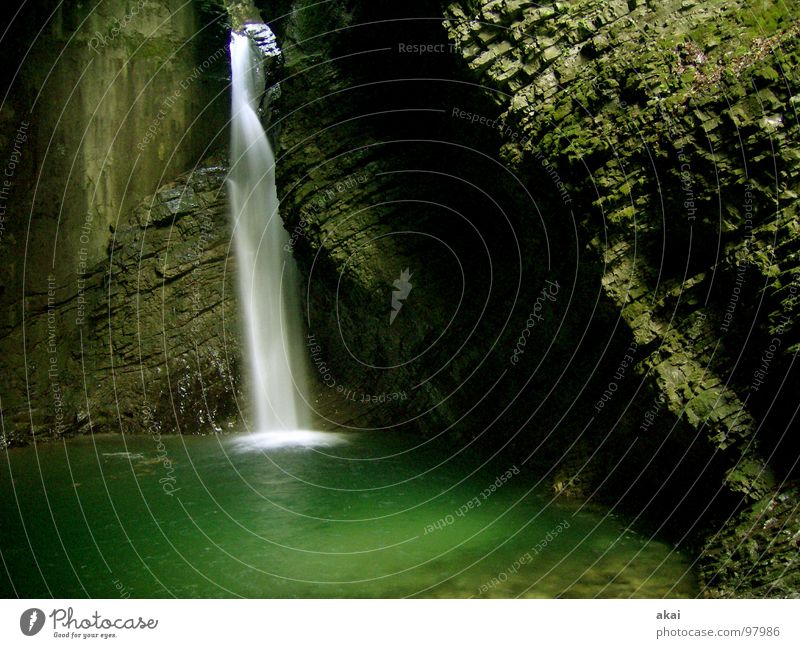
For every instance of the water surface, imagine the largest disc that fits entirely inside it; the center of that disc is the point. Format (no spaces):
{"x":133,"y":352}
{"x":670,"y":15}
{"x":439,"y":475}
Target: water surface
{"x":359,"y":515}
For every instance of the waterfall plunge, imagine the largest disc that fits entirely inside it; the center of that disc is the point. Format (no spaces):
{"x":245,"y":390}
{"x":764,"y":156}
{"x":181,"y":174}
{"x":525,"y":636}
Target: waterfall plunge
{"x":268,"y":279}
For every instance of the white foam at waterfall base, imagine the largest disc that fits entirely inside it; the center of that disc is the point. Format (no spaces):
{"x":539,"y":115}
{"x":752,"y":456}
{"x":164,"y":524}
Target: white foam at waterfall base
{"x":268,"y":279}
{"x":286,"y":439}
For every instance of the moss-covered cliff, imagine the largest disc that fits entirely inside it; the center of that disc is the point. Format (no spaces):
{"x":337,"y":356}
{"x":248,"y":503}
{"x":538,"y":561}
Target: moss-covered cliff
{"x":594,"y":204}
{"x":659,"y":144}
{"x":673,"y":126}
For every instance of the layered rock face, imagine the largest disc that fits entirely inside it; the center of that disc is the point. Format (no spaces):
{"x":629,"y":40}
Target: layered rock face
{"x":112,"y":101}
{"x":382,"y":172}
{"x":654,"y":148}
{"x":412,"y":268}
{"x":150,"y":342}
{"x":674,"y":127}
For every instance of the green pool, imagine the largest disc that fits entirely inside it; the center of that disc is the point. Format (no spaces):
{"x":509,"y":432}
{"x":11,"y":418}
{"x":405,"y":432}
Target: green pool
{"x":341,"y":515}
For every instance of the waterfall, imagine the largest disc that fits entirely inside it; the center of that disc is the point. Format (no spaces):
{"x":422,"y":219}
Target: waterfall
{"x":268,"y":279}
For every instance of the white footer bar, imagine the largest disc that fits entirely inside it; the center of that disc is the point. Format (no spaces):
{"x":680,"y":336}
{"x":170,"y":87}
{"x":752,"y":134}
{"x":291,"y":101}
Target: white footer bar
{"x":400,"y":623}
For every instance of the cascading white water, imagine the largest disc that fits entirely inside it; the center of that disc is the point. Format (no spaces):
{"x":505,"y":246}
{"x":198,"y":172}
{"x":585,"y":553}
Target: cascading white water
{"x":267,"y":274}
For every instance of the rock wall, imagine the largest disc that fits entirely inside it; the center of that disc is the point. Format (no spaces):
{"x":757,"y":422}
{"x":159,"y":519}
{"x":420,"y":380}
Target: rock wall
{"x":655,"y":149}
{"x":120,"y":98}
{"x":378,"y":177}
{"x":151,"y":342}
{"x":374,"y":182}
{"x":106,"y":103}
